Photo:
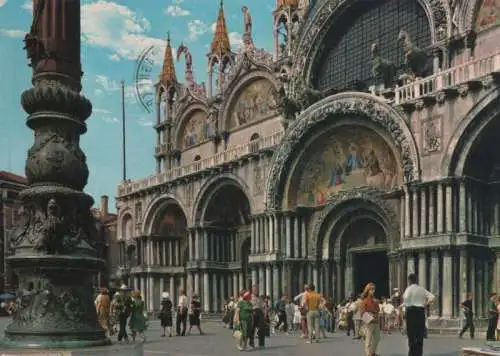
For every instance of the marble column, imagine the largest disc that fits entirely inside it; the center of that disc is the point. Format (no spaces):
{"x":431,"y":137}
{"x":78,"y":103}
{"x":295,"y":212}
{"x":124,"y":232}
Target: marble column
{"x":447,"y":278}
{"x":315,"y":277}
{"x":434,"y":280}
{"x":190,"y":284}
{"x":340,"y":293}
{"x":162,"y":285}
{"x":235,"y":284}
{"x":143,"y":289}
{"x":151,"y":295}
{"x":449,"y":208}
{"x":440,"y":210}
{"x":415,"y":212}
{"x":348,"y":275}
{"x":463,"y":271}
{"x":497,"y":271}
{"x":136,"y":283}
{"x":472,"y":280}
{"x":172,"y":290}
{"x":206,"y":292}
{"x":241,"y":282}
{"x":296,"y":232}
{"x":277,"y":237}
{"x":432,"y":208}
{"x":222,"y":291}
{"x":269,"y":281}
{"x":252,"y":237}
{"x":288,"y":235}
{"x":276,"y":282}
{"x":462,"y":208}
{"x":423,"y":211}
{"x":495,"y":230}
{"x":422,"y":269}
{"x":486,"y":285}
{"x":407,"y":226}
{"x":255,"y":280}
{"x":196,"y":287}
{"x":215,"y":294}
{"x":272,"y":237}
{"x":303,"y":237}
{"x":479,"y":295}
{"x":262,"y":279}
{"x":410,"y":263}
{"x":265,"y":223}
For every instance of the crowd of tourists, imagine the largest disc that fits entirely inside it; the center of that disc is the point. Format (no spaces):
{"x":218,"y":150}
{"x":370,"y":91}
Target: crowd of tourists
{"x":124,"y":309}
{"x":313,"y":315}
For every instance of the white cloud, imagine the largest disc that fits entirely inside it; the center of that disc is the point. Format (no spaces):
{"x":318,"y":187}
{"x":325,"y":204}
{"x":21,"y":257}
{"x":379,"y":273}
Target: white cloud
{"x":28,"y":5}
{"x":100,"y":111}
{"x":3,"y":2}
{"x":196,"y":28}
{"x":114,"y":57}
{"x":12,"y":33}
{"x":109,"y":25}
{"x":236,"y":40}
{"x":176,"y":11}
{"x":144,"y":121}
{"x":107,"y":85}
{"x":110,"y":119}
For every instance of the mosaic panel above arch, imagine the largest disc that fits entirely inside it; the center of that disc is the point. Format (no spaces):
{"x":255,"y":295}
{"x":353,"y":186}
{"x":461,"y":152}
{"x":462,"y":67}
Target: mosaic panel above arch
{"x":488,"y":15}
{"x":350,"y":157}
{"x":197,"y":129}
{"x":257,"y":100}
{"x":170,"y":222}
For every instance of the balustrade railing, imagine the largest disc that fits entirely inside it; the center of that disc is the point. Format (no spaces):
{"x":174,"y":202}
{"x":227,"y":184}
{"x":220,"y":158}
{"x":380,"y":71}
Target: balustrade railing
{"x":460,"y":74}
{"x":229,"y":155}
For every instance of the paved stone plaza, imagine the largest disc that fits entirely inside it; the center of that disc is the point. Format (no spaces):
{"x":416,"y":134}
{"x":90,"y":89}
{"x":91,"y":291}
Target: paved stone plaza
{"x":218,"y":341}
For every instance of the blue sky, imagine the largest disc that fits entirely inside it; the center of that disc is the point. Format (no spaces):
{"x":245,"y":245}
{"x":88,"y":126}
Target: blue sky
{"x":113,"y":35}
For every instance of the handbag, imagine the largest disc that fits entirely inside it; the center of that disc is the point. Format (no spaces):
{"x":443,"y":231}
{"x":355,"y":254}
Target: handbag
{"x":367,"y":318}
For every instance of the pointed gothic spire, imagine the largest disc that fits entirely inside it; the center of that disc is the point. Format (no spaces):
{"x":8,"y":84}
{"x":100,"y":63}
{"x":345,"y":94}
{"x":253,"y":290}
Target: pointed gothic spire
{"x":167,"y":76}
{"x":220,"y":43}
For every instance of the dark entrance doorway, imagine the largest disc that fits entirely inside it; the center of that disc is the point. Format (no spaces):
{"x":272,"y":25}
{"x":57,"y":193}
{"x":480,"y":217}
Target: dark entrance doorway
{"x":372,"y":267}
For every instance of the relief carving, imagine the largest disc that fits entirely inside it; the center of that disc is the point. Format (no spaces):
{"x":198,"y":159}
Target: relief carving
{"x":55,"y":226}
{"x":189,"y":193}
{"x":258,"y":180}
{"x":432,"y":135}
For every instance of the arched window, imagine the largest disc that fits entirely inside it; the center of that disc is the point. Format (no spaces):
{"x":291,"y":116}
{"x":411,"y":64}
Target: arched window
{"x":346,"y":63}
{"x":197,"y":158}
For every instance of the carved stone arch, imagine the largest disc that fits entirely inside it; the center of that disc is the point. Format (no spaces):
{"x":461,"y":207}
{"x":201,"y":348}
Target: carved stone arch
{"x":155,"y":206}
{"x":238,"y":85}
{"x":183,"y":119}
{"x":342,"y":105}
{"x":123,"y":218}
{"x":159,"y":91}
{"x":210,"y":188}
{"x":280,"y":15}
{"x":461,"y":142}
{"x":468,"y":15}
{"x":313,"y":37}
{"x":348,"y":201}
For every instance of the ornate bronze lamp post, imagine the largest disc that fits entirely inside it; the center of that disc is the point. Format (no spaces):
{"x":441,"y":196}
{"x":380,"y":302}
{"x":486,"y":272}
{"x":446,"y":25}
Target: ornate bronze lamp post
{"x":55,"y":249}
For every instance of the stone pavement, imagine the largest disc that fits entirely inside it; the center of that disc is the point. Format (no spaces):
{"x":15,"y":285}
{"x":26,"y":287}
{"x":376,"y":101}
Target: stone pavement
{"x":218,"y":341}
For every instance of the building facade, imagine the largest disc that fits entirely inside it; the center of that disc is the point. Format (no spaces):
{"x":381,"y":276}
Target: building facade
{"x":363,"y":148}
{"x":10,"y":203}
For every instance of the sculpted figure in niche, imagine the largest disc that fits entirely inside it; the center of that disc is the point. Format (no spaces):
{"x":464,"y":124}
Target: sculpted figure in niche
{"x":350,"y":158}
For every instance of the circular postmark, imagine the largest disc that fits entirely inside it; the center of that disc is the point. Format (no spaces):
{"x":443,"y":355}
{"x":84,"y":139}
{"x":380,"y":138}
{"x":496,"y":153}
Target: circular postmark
{"x":146,"y":63}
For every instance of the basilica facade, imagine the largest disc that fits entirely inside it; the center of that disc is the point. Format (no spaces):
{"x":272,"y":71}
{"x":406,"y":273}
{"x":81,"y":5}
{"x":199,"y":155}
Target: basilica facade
{"x":362,"y":147}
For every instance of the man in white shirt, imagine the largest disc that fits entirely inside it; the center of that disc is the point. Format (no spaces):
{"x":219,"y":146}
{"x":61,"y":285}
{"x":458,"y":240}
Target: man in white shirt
{"x":415,"y":300}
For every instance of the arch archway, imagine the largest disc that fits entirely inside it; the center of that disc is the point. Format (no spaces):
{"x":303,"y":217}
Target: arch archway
{"x":161,"y":251}
{"x":329,"y":114}
{"x":315,"y":32}
{"x":222,"y":212}
{"x":350,"y":236}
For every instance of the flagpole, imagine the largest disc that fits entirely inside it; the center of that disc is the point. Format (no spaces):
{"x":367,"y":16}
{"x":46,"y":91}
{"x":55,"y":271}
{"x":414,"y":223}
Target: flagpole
{"x":124,"y":152}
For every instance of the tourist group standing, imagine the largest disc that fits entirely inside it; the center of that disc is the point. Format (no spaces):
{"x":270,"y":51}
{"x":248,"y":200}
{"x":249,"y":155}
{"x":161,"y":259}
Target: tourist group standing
{"x":113,"y":315}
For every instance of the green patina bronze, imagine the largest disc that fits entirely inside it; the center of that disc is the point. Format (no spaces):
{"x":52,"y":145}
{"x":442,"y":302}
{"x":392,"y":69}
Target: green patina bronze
{"x":55,"y":250}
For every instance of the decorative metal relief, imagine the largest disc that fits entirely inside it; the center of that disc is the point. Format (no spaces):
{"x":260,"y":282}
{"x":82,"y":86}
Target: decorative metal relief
{"x":432,"y":135}
{"x":189,"y":193}
{"x":258,"y":180}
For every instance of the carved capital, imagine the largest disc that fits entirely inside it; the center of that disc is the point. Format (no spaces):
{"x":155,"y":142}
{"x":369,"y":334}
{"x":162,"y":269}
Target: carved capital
{"x":54,"y":96}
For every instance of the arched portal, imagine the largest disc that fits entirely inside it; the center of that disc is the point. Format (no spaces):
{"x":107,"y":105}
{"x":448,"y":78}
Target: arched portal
{"x":351,"y":238}
{"x":161,"y":252}
{"x":223,"y":213}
